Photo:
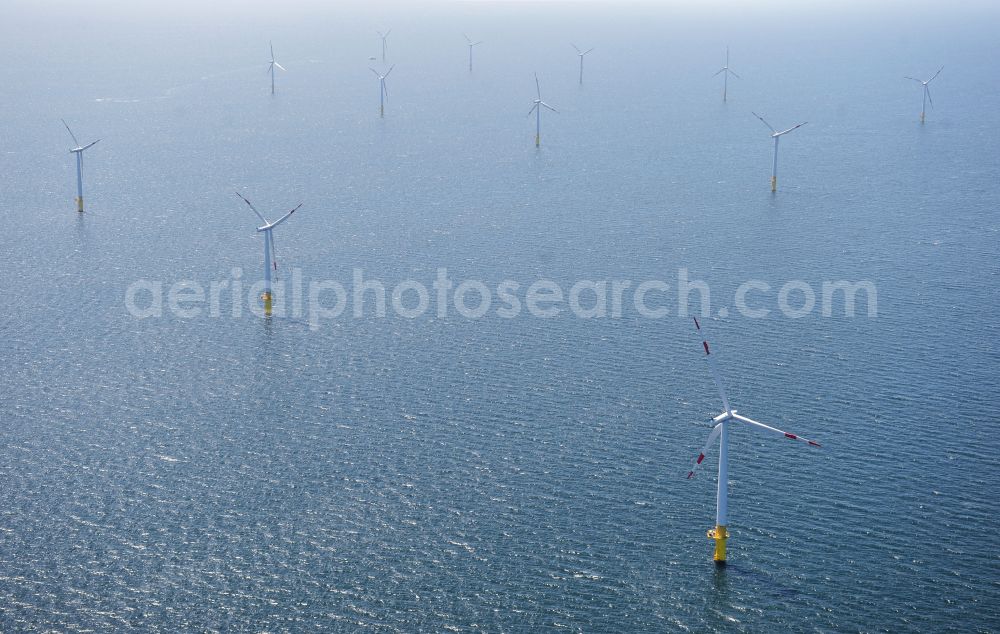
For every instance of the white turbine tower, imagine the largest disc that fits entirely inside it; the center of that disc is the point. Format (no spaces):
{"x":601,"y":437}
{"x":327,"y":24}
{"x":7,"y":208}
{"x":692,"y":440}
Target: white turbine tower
{"x":384,"y":37}
{"x":78,"y":150}
{"x":580,"y":54}
{"x":471,"y":44}
{"x":721,"y":430}
{"x":776,"y":136}
{"x":927,"y":92}
{"x":383,"y":92}
{"x":272,"y":66}
{"x":537,"y":109}
{"x":269,"y":259}
{"x":726,"y":72}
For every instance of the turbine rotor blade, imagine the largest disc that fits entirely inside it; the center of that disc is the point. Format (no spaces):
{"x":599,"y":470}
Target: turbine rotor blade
{"x":89,"y":145}
{"x":795,"y":127}
{"x":70,"y":132}
{"x":284,"y":218}
{"x":532,"y":109}
{"x":375,"y":71}
{"x":701,"y":456}
{"x":548,"y":106}
{"x":538,"y":87}
{"x":280,"y":66}
{"x":259,"y":215}
{"x":587,"y":51}
{"x":775,"y":430}
{"x":914,"y":79}
{"x":389,"y":71}
{"x":715,"y":371}
{"x":274,"y":254}
{"x":769,"y":126}
{"x":721,"y":70}
{"x":935,"y":75}
{"x":575,"y":48}
{"x":732,"y":73}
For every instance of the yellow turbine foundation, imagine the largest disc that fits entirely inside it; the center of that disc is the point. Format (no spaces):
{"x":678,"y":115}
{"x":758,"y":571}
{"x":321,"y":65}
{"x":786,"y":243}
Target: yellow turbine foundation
{"x":79,"y":204}
{"x":267,"y":303}
{"x":774,"y":183}
{"x":720,"y":535}
{"x":538,"y":140}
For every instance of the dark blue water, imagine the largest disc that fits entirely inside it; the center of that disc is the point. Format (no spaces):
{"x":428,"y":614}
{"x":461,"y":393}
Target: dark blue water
{"x":453,"y":474}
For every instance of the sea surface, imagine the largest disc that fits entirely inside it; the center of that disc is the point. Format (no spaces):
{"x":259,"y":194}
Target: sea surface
{"x":219,"y":473}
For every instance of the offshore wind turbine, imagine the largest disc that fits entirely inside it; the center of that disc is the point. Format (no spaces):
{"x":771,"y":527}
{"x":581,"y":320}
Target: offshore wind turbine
{"x":726,"y":72}
{"x":272,"y":66}
{"x":471,"y":44}
{"x":269,"y":259}
{"x":721,"y":431}
{"x":776,"y":136}
{"x":78,"y":150}
{"x":383,"y":92}
{"x":384,"y":37}
{"x":927,"y":92}
{"x":580,"y":54}
{"x":537,"y":109}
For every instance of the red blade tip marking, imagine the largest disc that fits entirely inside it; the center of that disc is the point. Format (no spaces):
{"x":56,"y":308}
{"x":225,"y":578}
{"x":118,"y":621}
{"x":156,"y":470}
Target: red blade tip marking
{"x":696,"y":324}
{"x":792,"y":436}
{"x":705,"y":343}
{"x":701,"y":457}
{"x":814,"y":444}
{"x":690,"y":473}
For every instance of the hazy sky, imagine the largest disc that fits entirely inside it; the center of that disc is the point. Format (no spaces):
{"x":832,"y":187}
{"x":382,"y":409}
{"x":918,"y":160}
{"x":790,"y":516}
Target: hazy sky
{"x":243,"y":7}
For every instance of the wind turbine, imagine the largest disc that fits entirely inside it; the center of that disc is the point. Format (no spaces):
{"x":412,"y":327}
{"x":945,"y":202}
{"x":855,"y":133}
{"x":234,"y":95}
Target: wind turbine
{"x":580,"y":54}
{"x":537,"y":109}
{"x":271,"y":67}
{"x":776,"y":136}
{"x":471,"y":44}
{"x":383,"y":92}
{"x":384,"y":37}
{"x":927,"y":92}
{"x":269,"y":259}
{"x":78,"y":150}
{"x":721,"y":430}
{"x":726,"y":72}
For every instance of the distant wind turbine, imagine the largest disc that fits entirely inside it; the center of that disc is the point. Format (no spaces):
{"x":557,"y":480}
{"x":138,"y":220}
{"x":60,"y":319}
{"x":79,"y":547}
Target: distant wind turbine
{"x":384,"y":37}
{"x":471,"y":44}
{"x":580,"y":54}
{"x":78,"y":150}
{"x":726,"y":72}
{"x":269,"y":259}
{"x":537,"y":109}
{"x":272,"y":66}
{"x":383,"y":92}
{"x":927,"y":92}
{"x":721,"y":431}
{"x":776,"y":136}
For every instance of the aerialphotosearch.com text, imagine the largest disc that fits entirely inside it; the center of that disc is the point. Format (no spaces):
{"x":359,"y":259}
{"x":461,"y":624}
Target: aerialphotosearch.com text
{"x":366,"y":297}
